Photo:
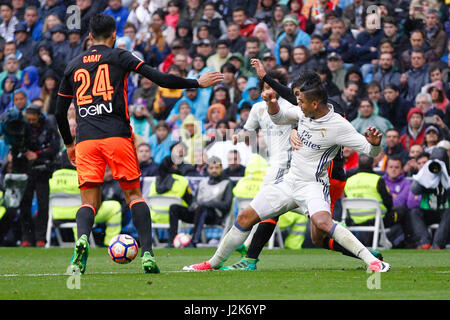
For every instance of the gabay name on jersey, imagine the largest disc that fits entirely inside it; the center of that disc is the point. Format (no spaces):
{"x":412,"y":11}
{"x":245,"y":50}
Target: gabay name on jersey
{"x":94,"y":110}
{"x":305,"y":136}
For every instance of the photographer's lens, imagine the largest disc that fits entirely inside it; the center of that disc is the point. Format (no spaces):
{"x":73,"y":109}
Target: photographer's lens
{"x":434,"y":167}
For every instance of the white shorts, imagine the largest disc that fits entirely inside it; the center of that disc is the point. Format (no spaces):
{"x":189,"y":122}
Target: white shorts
{"x":285,"y":194}
{"x":273,"y":174}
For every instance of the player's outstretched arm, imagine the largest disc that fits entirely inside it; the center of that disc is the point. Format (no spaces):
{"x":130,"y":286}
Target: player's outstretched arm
{"x":174,"y":82}
{"x":369,"y":143}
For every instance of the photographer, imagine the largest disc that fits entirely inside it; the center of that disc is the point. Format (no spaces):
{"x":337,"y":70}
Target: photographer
{"x":42,"y":146}
{"x":431,"y":184}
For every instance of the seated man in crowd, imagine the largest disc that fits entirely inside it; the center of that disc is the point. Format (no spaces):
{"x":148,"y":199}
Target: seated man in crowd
{"x":369,"y":185}
{"x":430,"y":203}
{"x":210,"y":205}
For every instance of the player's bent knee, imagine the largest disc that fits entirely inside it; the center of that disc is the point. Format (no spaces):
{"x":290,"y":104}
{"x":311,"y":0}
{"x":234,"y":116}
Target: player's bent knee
{"x":247,"y":218}
{"x":322,"y":220}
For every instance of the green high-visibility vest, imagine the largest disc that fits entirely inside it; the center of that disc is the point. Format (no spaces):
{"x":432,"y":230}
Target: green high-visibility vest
{"x":64,"y":181}
{"x":2,"y":207}
{"x":248,"y":187}
{"x":160,"y":214}
{"x":364,"y":185}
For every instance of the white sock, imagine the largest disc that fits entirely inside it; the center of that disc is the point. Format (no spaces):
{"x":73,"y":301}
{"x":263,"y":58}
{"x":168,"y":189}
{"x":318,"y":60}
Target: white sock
{"x":250,"y":237}
{"x":233,"y":239}
{"x":346,"y":239}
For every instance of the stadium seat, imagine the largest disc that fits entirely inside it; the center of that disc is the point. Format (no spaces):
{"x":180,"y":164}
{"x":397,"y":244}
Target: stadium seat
{"x":160,"y":201}
{"x":368,"y":205}
{"x":63,"y":200}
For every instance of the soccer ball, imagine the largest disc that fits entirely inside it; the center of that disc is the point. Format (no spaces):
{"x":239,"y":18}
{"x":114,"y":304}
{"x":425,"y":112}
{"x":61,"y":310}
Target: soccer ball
{"x":123,"y":248}
{"x":181,"y":240}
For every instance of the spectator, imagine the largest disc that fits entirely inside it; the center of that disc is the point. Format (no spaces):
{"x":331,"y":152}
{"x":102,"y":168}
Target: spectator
{"x":166,"y":98}
{"x":252,"y":51}
{"x":32,"y":23}
{"x":213,"y":20}
{"x":415,"y":78}
{"x":180,"y":111}
{"x":319,"y":11}
{"x":183,"y":33}
{"x":192,"y":137}
{"x":161,"y":31}
{"x":49,"y":84}
{"x":146,"y":164}
{"x":350,"y":161}
{"x":45,"y":60}
{"x":167,"y":55}
{"x":211,"y":203}
{"x":89,"y":8}
{"x":348,"y":100}
{"x":369,"y":185}
{"x":221,"y":95}
{"x":199,"y":167}
{"x":30,"y":82}
{"x":19,"y":9}
{"x":276,"y":26}
{"x":141,"y":120}
{"x":42,"y":144}
{"x":354,"y":74}
{"x":9,"y":21}
{"x":59,"y":42}
{"x":326,"y":77}
{"x":216,"y":112}
{"x":336,"y":67}
{"x":269,"y":61}
{"x":25,"y":45}
{"x":55,"y":7}
{"x":265,"y":12}
{"x":119,"y":13}
{"x":292,"y":36}
{"x":394,"y":146}
{"x":318,"y":50}
{"x":435,"y":34}
{"x":181,"y":60}
{"x":399,"y":187}
{"x":432,"y":138}
{"x":394,"y":107}
{"x":10,"y":67}
{"x":417,"y":42}
{"x":425,"y":103}
{"x":252,"y":92}
{"x":169,"y":183}
{"x":261,"y":32}
{"x":438,"y":97}
{"x":355,"y":13}
{"x":294,"y":8}
{"x":8,"y":86}
{"x":391,"y":31}
{"x":235,"y":168}
{"x":192,"y":12}
{"x":217,"y":60}
{"x":386,"y":72}
{"x":301,"y":61}
{"x":147,"y":90}
{"x":237,"y":42}
{"x":429,"y":187}
{"x":228,"y":70}
{"x":246,"y":24}
{"x":161,"y":141}
{"x":74,"y":48}
{"x":415,"y":130}
{"x":204,"y":47}
{"x":436,"y":73}
{"x":50,"y":21}
{"x":173,"y":14}
{"x":411,"y":167}
{"x":374,"y":94}
{"x":366,"y":118}
{"x":202,"y":32}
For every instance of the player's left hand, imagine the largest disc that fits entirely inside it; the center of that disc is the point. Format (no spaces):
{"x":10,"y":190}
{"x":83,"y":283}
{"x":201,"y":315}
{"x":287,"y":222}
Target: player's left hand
{"x":209,"y":79}
{"x":373,"y":136}
{"x":71,"y":153}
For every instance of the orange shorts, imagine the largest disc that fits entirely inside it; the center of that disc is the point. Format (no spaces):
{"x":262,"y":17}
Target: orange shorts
{"x":92,"y":157}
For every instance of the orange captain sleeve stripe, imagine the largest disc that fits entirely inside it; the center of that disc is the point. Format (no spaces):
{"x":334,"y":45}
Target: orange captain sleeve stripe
{"x":65,"y":95}
{"x":132,"y":203}
{"x":139,"y":64}
{"x":89,"y":206}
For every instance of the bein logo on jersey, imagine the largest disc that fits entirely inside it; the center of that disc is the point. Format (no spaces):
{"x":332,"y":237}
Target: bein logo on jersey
{"x":94,"y":110}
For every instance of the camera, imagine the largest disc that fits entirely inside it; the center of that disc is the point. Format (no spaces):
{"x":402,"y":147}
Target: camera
{"x":434,"y":167}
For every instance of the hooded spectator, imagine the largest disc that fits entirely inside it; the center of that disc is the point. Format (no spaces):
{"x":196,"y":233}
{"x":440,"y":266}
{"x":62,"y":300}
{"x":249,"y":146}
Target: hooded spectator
{"x":415,"y":130}
{"x":8,"y":85}
{"x":30,"y":82}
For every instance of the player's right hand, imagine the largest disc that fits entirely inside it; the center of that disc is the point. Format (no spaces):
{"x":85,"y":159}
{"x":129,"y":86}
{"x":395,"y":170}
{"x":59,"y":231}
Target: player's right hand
{"x":256,"y":63}
{"x":295,"y":140}
{"x":71,"y":153}
{"x":209,"y":79}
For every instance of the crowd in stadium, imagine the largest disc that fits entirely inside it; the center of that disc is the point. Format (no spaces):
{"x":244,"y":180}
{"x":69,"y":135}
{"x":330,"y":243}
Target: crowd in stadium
{"x":385,"y":62}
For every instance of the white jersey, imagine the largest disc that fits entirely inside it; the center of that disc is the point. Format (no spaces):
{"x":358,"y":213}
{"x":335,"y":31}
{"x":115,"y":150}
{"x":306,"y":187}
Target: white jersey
{"x":276,"y":136}
{"x":322,"y":139}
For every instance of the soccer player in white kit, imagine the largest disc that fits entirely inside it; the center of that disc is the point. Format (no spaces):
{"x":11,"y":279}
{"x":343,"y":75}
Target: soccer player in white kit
{"x":306,"y":185}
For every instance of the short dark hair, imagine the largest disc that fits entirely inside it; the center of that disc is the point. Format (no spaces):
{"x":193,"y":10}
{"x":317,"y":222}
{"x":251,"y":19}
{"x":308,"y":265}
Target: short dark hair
{"x":8,"y":4}
{"x":392,"y":87}
{"x":102,"y":26}
{"x":373,"y":84}
{"x":390,"y":20}
{"x":392,"y":129}
{"x":365,"y":162}
{"x":394,"y":158}
{"x":423,"y":154}
{"x":252,"y":39}
{"x":348,"y":83}
{"x":317,"y":36}
{"x":228,"y":67}
{"x":434,"y":67}
{"x":239,"y":8}
{"x":310,"y":84}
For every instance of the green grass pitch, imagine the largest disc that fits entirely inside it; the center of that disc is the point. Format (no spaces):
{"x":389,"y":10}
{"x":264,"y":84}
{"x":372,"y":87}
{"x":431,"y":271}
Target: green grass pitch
{"x":33,"y":273}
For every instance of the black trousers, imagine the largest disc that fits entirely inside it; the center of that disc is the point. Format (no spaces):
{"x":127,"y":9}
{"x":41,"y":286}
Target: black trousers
{"x":199,"y":217}
{"x":35,"y":229}
{"x":421,"y":219}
